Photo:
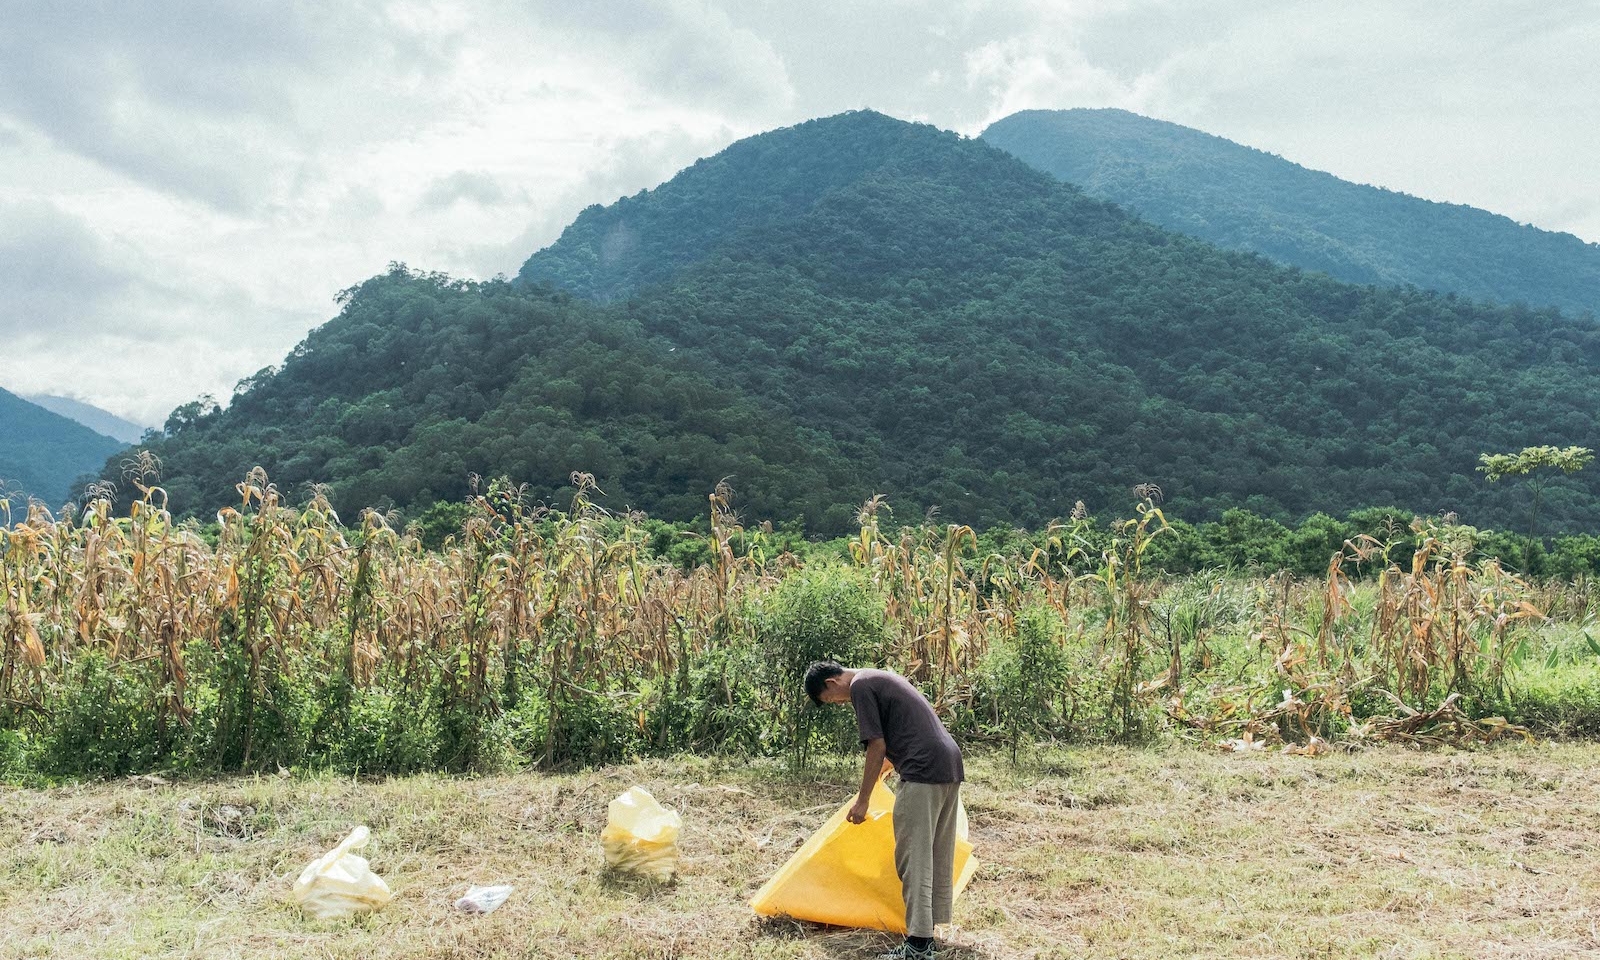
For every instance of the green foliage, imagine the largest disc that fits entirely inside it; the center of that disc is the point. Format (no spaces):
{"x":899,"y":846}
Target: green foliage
{"x":103,"y":724}
{"x":714,"y":705}
{"x":249,"y":719}
{"x":441,"y":520}
{"x":1497,"y":466}
{"x":978,"y":338}
{"x":1244,"y":199}
{"x":1575,"y":556}
{"x":424,"y":382}
{"x":1533,"y":463}
{"x":1030,"y":678}
{"x":858,"y":306}
{"x":385,"y":733}
{"x":1557,"y":685}
{"x":685,"y":546}
{"x":16,"y":766}
{"x":825,"y":612}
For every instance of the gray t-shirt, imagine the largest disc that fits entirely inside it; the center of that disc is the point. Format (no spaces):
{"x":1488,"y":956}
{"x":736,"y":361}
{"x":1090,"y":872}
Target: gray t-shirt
{"x":918,"y":745}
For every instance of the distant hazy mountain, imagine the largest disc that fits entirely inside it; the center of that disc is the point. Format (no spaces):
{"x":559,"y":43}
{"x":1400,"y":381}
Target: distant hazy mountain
{"x":1244,"y":199}
{"x":100,"y":421}
{"x":42,"y":453}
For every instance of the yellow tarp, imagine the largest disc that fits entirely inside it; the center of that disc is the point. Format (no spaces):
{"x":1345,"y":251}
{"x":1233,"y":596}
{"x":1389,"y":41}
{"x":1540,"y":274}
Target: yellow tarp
{"x":844,"y":875}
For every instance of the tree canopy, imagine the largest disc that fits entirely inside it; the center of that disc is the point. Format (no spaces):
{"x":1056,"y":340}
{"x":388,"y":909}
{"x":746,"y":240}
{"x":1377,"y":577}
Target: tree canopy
{"x":859,"y":305}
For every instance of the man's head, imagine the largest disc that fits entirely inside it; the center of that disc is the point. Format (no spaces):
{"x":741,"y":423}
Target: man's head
{"x":827,"y":682}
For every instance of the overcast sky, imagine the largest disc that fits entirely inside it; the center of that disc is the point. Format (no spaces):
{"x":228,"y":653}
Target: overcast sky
{"x":184,"y":187}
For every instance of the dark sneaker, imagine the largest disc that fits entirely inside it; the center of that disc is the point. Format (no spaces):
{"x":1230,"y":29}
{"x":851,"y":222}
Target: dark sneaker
{"x":906,"y":951}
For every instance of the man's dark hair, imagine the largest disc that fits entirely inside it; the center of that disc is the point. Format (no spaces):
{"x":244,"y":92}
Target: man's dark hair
{"x":817,"y":676}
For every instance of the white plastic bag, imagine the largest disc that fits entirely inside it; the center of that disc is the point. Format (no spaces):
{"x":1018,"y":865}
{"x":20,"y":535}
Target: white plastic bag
{"x":641,"y":836}
{"x":339,"y":883}
{"x":483,"y":899}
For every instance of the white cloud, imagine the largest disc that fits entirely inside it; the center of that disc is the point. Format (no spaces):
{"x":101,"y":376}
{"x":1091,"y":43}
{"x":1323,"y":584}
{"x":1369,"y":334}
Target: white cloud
{"x":58,"y":275}
{"x":1492,"y":105}
{"x":464,"y":186}
{"x":681,"y":51}
{"x":184,"y":187}
{"x":1024,"y":74}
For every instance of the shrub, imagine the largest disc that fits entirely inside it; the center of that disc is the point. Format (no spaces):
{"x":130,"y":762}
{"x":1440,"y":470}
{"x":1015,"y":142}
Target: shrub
{"x":1029,"y":677}
{"x":103,"y":724}
{"x":385,"y":733}
{"x":824,"y":612}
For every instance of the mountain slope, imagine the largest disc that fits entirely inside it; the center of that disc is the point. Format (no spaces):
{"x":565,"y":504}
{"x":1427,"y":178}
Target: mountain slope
{"x":981,"y":337}
{"x":1244,"y":199}
{"x":914,"y":314}
{"x":422,"y":381}
{"x":608,"y":252}
{"x":42,"y":453}
{"x":103,"y":422}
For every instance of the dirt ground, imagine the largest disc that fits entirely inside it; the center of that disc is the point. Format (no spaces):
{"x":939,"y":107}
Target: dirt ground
{"x":1150,"y":853}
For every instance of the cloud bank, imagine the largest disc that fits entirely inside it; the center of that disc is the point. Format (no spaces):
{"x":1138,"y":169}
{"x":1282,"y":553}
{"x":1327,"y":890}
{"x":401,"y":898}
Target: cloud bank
{"x":184,"y":187}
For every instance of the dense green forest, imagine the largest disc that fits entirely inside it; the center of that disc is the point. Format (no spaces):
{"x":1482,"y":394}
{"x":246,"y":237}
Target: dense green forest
{"x":42,"y":453}
{"x":422,"y":381}
{"x":1244,"y":199}
{"x":860,"y":305}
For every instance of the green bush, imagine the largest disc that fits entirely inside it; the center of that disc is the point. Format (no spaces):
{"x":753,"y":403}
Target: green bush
{"x":822,"y":612}
{"x":245,"y":722}
{"x":16,"y":767}
{"x":711,"y":704}
{"x":1563,"y":702}
{"x":385,"y":733}
{"x":1029,"y":679}
{"x":442,"y":520}
{"x":103,"y":724}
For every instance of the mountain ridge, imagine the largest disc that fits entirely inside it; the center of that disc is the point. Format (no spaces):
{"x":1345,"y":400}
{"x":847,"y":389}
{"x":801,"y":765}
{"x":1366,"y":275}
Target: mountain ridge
{"x":101,"y":421}
{"x":1243,"y":198}
{"x":42,"y":453}
{"x":914,"y":314}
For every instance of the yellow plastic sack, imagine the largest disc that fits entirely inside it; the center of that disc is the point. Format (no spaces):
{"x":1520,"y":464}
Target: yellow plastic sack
{"x":844,"y":875}
{"x":641,"y":836}
{"x":339,"y":883}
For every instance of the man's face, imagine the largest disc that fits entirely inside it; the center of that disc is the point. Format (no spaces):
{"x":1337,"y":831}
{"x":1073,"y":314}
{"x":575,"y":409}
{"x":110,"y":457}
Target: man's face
{"x":835,"y":690}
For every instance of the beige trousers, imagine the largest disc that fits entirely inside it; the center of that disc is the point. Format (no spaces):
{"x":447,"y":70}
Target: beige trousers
{"x":925,"y":852}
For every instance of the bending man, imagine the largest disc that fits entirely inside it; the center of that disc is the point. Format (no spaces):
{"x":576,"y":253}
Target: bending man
{"x":897,"y":722}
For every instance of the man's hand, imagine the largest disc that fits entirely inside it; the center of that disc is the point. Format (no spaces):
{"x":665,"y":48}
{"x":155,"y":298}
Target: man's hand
{"x":888,"y":768}
{"x":870,"y":775}
{"x":858,"y":811}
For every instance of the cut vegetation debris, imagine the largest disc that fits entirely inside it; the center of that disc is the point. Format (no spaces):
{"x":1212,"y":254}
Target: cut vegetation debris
{"x":1098,"y":853}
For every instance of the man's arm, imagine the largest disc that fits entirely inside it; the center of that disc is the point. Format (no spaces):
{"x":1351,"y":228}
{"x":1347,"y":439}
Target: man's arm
{"x":869,"y":779}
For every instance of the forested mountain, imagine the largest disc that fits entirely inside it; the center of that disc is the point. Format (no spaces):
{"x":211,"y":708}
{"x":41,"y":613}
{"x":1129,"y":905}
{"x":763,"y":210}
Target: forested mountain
{"x":1244,"y":199}
{"x":860,"y":305}
{"x":103,"y":422}
{"x":771,"y":179}
{"x":422,"y":380}
{"x":42,"y":453}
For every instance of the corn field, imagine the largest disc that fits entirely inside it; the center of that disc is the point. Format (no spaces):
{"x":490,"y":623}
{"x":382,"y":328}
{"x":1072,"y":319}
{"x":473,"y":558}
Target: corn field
{"x":281,"y":636}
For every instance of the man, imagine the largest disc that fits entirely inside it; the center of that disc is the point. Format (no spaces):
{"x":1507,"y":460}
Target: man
{"x":897,"y":722}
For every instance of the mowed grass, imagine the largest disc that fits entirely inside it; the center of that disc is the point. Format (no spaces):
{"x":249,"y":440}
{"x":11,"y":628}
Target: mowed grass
{"x":1149,"y":853}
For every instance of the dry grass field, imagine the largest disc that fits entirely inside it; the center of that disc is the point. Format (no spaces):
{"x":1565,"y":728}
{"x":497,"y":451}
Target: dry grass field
{"x":1154,"y":853}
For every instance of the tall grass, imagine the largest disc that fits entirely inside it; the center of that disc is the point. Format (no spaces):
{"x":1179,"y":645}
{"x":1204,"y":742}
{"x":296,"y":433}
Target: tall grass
{"x":281,"y":635}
